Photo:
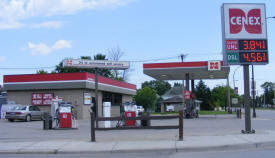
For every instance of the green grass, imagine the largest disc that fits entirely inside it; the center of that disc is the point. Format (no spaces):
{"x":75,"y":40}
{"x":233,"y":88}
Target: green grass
{"x":261,"y":108}
{"x":202,"y":112}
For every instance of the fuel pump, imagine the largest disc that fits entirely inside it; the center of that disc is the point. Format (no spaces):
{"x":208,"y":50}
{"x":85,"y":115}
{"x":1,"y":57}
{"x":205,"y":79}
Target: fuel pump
{"x":63,"y":114}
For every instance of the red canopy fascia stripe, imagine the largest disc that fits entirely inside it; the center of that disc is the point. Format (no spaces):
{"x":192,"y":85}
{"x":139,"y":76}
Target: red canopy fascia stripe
{"x":176,"y":65}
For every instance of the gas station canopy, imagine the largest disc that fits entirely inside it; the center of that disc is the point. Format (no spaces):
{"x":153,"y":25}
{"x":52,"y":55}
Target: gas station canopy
{"x":178,"y":70}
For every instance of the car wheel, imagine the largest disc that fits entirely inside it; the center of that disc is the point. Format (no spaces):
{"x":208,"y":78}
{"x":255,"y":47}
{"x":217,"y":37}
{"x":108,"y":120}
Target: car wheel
{"x":11,"y":120}
{"x":28,"y":118}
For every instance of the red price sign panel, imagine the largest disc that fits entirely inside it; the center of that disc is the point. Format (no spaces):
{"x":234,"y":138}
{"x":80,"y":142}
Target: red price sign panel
{"x":252,"y":45}
{"x":254,"y":57}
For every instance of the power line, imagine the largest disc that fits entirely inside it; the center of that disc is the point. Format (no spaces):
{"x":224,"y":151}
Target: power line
{"x":26,"y":68}
{"x":132,"y":61}
{"x":150,"y":60}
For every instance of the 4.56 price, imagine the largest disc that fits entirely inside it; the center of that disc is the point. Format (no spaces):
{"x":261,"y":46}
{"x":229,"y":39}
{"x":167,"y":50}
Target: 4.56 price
{"x":256,"y":57}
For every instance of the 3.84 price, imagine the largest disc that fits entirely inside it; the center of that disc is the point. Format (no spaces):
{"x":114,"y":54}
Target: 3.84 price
{"x":252,"y":45}
{"x":256,"y":57}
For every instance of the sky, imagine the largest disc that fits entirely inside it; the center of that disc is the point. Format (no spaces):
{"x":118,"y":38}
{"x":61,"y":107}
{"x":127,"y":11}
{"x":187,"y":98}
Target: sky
{"x":39,"y":34}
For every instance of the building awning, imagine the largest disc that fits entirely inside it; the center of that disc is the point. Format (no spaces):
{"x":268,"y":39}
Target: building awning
{"x":178,"y":70}
{"x":80,"y":80}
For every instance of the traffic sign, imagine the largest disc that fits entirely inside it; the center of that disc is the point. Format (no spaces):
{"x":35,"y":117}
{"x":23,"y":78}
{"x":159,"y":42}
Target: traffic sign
{"x":235,"y":101}
{"x":187,"y":94}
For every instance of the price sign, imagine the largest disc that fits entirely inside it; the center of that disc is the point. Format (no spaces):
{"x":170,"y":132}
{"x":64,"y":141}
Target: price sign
{"x":244,"y":34}
{"x":254,"y":57}
{"x":252,"y":45}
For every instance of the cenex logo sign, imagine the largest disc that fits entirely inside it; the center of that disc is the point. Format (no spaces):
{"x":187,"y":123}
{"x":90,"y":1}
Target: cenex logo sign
{"x":243,"y":21}
{"x":250,"y":22}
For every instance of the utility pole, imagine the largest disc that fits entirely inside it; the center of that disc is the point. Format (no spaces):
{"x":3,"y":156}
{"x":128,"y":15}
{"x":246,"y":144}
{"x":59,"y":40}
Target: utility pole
{"x":96,"y":96}
{"x":183,"y":56}
{"x":253,"y":93}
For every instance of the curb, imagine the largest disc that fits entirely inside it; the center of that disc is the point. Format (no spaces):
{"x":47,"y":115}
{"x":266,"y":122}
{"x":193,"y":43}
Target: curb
{"x":175,"y":149}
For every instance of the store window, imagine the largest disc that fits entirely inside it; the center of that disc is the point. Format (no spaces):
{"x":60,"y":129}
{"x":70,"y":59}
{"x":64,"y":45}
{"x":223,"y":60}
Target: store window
{"x":114,"y":98}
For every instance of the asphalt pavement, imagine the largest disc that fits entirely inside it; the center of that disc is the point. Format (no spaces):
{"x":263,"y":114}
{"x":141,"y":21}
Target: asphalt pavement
{"x":203,"y":134}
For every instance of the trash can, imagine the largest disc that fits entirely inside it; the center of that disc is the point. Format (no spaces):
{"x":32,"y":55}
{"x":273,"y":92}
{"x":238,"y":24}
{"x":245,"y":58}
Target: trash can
{"x":145,"y":122}
{"x":47,"y":121}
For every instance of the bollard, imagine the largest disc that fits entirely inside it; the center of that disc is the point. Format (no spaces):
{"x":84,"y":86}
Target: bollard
{"x":92,"y":127}
{"x":46,"y":121}
{"x":148,"y":119}
{"x":240,"y":113}
{"x":181,"y":125}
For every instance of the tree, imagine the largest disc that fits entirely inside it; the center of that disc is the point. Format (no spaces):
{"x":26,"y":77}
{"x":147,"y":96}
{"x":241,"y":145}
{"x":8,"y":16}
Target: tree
{"x":203,"y":93}
{"x":41,"y":71}
{"x":103,"y":72}
{"x":146,"y":97}
{"x":177,"y":84}
{"x":268,"y":92}
{"x":219,"y":94}
{"x":159,"y":86}
{"x":115,"y":54}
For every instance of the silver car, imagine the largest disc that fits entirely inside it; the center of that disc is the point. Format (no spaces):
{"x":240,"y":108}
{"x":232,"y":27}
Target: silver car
{"x":26,"y":113}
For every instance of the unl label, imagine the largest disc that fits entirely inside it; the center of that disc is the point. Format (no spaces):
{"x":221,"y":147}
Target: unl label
{"x":232,"y":57}
{"x":251,"y":22}
{"x":232,"y":45}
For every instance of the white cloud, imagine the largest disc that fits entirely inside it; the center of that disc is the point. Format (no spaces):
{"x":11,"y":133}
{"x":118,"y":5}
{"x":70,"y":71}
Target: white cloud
{"x":43,"y":49}
{"x":62,"y":44}
{"x":48,"y":24}
{"x":2,"y":59}
{"x":19,"y":10}
{"x":11,"y":25}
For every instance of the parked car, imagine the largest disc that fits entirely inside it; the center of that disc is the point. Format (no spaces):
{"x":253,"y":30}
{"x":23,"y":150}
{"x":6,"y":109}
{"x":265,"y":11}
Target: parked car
{"x":26,"y":113}
{"x":139,"y":109}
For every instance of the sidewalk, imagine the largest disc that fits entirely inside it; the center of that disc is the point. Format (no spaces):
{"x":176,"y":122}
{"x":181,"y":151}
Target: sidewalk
{"x":190,"y":143}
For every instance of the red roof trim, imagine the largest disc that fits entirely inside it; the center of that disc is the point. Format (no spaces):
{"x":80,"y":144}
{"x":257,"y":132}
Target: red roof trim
{"x":65,"y":77}
{"x":177,"y":65}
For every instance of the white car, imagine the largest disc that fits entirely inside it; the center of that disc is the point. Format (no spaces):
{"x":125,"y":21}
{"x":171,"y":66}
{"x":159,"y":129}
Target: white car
{"x":26,"y":113}
{"x":140,"y":109}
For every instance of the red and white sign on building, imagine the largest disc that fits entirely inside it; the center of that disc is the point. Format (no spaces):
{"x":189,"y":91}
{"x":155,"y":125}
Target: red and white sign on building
{"x":214,"y":65}
{"x":42,"y":98}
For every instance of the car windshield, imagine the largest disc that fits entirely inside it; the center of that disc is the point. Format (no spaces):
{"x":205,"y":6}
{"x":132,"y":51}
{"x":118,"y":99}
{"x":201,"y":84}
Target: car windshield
{"x":19,"y":108}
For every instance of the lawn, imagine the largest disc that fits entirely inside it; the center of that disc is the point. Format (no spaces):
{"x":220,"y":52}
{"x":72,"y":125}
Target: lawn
{"x":202,"y":112}
{"x":261,"y":108}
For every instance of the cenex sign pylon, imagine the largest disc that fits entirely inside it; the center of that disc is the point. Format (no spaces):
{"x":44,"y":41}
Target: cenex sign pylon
{"x":244,"y":34}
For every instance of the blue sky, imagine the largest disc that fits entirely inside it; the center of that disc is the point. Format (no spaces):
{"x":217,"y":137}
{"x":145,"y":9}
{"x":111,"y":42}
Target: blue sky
{"x":40,"y":33}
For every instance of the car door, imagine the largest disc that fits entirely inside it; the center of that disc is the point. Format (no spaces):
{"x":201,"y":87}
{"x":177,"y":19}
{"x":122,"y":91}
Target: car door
{"x":39,"y":113}
{"x":33,"y":112}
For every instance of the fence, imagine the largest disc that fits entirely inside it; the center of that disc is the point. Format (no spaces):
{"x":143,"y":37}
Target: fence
{"x":143,"y":117}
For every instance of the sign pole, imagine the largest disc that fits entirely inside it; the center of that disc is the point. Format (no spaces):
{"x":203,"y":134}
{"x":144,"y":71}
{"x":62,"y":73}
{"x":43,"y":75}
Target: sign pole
{"x":247,"y":99}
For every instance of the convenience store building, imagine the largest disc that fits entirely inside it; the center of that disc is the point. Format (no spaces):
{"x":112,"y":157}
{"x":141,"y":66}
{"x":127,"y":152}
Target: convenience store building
{"x":78,"y":88}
